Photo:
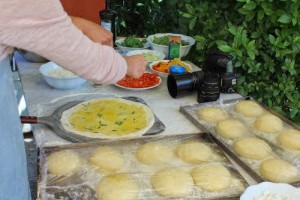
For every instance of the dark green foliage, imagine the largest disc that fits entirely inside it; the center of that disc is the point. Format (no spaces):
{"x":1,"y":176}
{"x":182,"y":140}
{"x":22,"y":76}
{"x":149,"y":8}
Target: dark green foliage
{"x":262,"y":35}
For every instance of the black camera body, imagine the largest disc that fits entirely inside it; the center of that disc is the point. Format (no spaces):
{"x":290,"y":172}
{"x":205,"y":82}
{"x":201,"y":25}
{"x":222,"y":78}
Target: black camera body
{"x":216,"y":77}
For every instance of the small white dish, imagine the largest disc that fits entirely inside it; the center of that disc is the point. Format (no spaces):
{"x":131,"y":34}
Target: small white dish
{"x":282,"y":189}
{"x":63,"y":82}
{"x":165,"y":74}
{"x":127,"y":49}
{"x":155,"y":55}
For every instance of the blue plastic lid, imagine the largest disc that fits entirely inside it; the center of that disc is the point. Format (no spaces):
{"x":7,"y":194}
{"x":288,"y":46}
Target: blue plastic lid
{"x":176,"y":69}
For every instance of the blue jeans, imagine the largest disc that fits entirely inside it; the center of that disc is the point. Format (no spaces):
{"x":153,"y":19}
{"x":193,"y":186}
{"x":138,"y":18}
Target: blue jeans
{"x":13,"y":166}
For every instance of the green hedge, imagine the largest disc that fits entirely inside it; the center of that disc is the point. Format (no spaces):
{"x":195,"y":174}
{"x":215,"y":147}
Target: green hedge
{"x":262,"y":35}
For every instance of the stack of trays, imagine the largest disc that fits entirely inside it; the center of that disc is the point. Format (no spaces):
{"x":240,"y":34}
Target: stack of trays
{"x":188,"y":166}
{"x":266,"y":144}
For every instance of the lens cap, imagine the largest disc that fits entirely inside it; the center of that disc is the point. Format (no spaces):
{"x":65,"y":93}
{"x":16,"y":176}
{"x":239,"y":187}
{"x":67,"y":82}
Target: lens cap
{"x":177,"y":69}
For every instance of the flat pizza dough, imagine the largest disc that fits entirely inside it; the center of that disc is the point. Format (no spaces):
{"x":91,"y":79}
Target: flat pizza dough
{"x":154,"y":154}
{"x":230,"y":128}
{"x":252,"y":148}
{"x":277,"y":170}
{"x":109,"y":118}
{"x":63,"y":162}
{"x":172,"y":182}
{"x":289,"y":139}
{"x":268,"y":123}
{"x":194,"y":152}
{"x":212,"y":114}
{"x":117,"y":187}
{"x":107,"y":159}
{"x":249,"y":108}
{"x":212,"y":177}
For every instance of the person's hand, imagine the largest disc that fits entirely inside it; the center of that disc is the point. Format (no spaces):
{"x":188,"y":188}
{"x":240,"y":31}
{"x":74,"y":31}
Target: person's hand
{"x":94,"y":31}
{"x":136,"y":65}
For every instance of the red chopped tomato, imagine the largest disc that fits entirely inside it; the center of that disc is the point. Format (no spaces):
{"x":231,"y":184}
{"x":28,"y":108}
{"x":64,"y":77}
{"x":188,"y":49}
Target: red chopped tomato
{"x":146,"y":80}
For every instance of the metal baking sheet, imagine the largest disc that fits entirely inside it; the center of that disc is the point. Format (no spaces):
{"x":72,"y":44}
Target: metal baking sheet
{"x":191,"y":112}
{"x":50,"y":186}
{"x":53,"y":121}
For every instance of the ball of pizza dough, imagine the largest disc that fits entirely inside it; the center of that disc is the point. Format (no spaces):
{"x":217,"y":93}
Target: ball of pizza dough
{"x":252,"y":148}
{"x":249,"y":108}
{"x":277,"y":170}
{"x":212,"y":177}
{"x":212,"y":114}
{"x":63,"y":162}
{"x":107,"y":159}
{"x":194,"y":152}
{"x":230,"y":128}
{"x":289,"y":139}
{"x":268,"y":123}
{"x":172,"y":182}
{"x":117,"y":187}
{"x":154,"y":154}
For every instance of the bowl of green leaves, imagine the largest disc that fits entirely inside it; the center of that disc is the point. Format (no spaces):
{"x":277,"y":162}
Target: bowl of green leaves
{"x":131,"y":43}
{"x":160,"y":42}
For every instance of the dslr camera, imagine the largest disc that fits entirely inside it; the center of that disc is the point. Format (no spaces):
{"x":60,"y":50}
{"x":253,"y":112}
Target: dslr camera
{"x":217,"y":76}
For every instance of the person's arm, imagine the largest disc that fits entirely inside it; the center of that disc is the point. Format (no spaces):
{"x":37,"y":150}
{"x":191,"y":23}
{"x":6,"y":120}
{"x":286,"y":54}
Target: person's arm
{"x":44,"y":28}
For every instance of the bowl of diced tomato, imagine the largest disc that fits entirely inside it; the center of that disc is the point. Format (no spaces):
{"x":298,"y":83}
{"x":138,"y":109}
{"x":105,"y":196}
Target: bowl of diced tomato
{"x":162,"y":67}
{"x":146,"y":81}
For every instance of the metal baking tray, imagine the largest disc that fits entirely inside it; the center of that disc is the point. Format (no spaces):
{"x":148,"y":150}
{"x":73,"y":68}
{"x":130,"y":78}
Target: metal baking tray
{"x":190,"y":111}
{"x":58,"y":186}
{"x":53,"y":121}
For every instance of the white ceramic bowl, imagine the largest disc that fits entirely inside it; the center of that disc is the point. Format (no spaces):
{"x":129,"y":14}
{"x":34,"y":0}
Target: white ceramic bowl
{"x":164,"y":49}
{"x":159,"y":55}
{"x":127,"y":49}
{"x":283,"y":189}
{"x":64,"y":83}
{"x":163,"y":74}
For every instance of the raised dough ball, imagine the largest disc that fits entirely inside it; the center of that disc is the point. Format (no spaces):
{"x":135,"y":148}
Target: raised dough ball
{"x":107,"y":160}
{"x":212,"y":114}
{"x":249,"y":108}
{"x":172,"y":182}
{"x":63,"y":162}
{"x":230,"y":128}
{"x":117,"y":187}
{"x":290,"y":139}
{"x":277,"y":170}
{"x":268,"y":123}
{"x":212,"y":177}
{"x":194,"y":152}
{"x":154,"y":153}
{"x":252,"y":148}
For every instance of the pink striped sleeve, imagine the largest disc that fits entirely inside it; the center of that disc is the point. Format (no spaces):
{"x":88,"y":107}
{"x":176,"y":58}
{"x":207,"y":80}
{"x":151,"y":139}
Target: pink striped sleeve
{"x":43,"y":27}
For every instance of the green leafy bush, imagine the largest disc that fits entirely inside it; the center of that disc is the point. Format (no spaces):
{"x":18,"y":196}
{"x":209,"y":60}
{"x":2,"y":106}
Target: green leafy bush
{"x":262,"y":35}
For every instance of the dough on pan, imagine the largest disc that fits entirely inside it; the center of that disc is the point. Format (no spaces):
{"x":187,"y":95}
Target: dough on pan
{"x":107,"y":159}
{"x":212,"y":177}
{"x":230,"y":128}
{"x":63,"y":162}
{"x":252,"y":148}
{"x":212,"y":114}
{"x":249,"y":108}
{"x":289,"y":139}
{"x":268,"y":123}
{"x":172,"y":182}
{"x":117,"y":187}
{"x":277,"y":170}
{"x":154,"y":154}
{"x":194,"y":152}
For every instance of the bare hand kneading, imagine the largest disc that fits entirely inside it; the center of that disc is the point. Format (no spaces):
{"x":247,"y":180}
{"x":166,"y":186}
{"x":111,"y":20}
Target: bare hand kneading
{"x":136,"y":65}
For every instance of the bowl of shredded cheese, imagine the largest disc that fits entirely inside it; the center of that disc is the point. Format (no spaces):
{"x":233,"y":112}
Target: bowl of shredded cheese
{"x":162,"y":67}
{"x":271,"y":191}
{"x":59,"y":78}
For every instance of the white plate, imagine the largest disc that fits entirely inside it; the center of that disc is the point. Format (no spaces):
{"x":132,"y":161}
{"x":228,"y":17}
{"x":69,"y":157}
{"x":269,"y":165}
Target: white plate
{"x":139,"y":89}
{"x":127,"y":49}
{"x":160,"y":55}
{"x":286,"y":190}
{"x":163,"y":74}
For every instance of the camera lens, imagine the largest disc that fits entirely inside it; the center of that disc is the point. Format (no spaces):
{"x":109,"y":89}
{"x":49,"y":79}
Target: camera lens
{"x":209,"y":90}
